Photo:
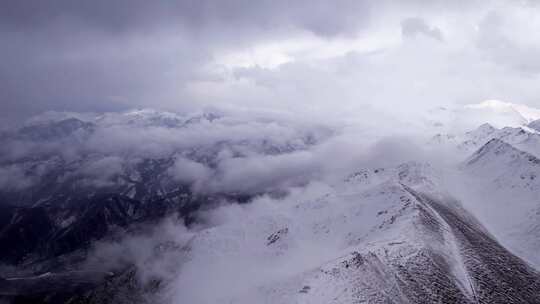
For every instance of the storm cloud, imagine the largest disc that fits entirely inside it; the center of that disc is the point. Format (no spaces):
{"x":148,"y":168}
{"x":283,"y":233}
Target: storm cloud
{"x":110,"y":55}
{"x":301,"y":56}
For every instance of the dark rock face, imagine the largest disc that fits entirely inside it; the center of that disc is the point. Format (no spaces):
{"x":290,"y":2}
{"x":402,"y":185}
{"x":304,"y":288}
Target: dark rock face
{"x":59,"y":214}
{"x":50,"y":287}
{"x":34,"y":240}
{"x":45,"y":232}
{"x":122,"y":288}
{"x":80,"y":287}
{"x":26,"y":230}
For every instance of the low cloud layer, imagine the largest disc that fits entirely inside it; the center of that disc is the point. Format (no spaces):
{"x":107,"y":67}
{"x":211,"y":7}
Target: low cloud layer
{"x":206,"y":151}
{"x":209,"y":152}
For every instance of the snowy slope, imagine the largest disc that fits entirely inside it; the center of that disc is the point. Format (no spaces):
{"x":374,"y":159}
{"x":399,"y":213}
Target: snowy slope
{"x":506,"y":166}
{"x":396,"y":239}
{"x":504,"y":183}
{"x":398,"y":234}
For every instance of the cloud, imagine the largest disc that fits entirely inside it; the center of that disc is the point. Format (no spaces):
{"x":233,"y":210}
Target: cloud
{"x":229,"y":265}
{"x":101,"y":172}
{"x":411,"y":27}
{"x":14,"y":178}
{"x":505,"y":38}
{"x":209,"y":152}
{"x":301,"y":56}
{"x":156,"y":251}
{"x":106,"y":56}
{"x":226,"y":153}
{"x":265,"y":172}
{"x":321,"y":17}
{"x":188,"y":172}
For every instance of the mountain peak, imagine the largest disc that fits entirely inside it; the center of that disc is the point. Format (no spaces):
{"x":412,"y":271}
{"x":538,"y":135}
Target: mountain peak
{"x":486,"y":127}
{"x":482,"y":131}
{"x":496,"y":151}
{"x":494,"y":146}
{"x":526,"y":113}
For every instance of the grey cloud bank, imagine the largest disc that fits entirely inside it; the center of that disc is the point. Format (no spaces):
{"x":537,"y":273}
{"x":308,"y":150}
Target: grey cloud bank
{"x":300,"y":57}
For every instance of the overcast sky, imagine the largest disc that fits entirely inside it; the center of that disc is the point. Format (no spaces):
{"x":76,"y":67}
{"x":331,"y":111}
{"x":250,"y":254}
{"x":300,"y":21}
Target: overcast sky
{"x":310,"y":56}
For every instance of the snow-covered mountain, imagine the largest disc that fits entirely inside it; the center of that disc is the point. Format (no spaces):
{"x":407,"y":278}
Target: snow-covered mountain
{"x":68,"y":181}
{"x":503,"y":181}
{"x":523,"y":137}
{"x":505,"y":165}
{"x":256,"y":216}
{"x":396,"y":239}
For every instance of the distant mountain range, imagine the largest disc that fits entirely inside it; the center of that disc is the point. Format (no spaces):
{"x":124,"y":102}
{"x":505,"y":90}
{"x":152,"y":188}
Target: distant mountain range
{"x":71,"y":185}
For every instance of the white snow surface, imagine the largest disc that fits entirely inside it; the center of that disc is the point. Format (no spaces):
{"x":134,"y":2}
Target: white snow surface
{"x":301,"y":249}
{"x":501,"y":186}
{"x":521,"y":112}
